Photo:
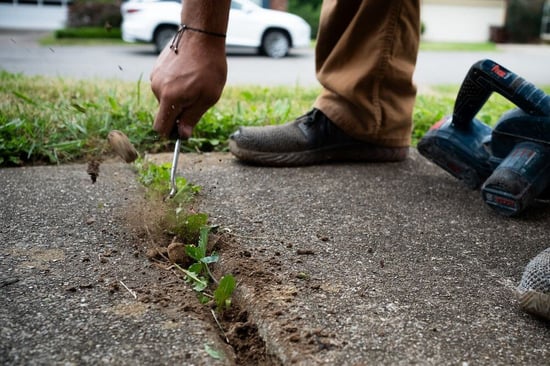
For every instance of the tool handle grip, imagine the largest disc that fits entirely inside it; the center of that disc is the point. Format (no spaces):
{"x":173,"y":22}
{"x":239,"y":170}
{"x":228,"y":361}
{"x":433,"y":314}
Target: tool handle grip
{"x":486,"y":77}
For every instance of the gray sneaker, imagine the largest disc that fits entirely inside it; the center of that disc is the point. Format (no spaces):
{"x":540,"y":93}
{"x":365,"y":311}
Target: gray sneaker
{"x":310,"y":139}
{"x":534,"y":289}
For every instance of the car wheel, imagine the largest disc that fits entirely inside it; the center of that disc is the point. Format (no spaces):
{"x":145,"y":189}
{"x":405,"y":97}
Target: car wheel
{"x":275,"y":44}
{"x":163,"y":36}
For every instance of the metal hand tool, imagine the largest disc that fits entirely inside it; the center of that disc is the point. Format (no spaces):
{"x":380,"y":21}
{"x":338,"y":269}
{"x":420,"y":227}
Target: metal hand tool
{"x":173,"y":171}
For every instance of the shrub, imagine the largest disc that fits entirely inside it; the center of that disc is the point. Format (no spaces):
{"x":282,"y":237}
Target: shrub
{"x":523,"y":20}
{"x":309,"y":10}
{"x":88,"y":32}
{"x":90,"y":13}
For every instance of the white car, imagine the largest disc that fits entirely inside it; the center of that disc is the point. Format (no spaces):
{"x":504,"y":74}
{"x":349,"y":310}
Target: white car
{"x":271,"y":32}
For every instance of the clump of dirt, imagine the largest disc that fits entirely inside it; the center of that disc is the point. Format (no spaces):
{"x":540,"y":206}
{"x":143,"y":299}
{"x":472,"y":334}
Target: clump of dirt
{"x":93,"y":169}
{"x":120,"y":144}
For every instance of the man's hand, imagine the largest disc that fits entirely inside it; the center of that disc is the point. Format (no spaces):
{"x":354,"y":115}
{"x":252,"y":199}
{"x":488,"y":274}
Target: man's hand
{"x":186,"y":84}
{"x":190,"y":81}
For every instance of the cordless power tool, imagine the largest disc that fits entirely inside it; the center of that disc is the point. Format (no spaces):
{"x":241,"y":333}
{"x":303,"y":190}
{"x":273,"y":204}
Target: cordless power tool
{"x":510,"y":162}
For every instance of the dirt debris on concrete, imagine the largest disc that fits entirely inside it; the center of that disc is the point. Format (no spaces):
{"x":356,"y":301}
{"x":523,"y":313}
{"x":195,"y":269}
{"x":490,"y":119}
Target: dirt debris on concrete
{"x":93,"y":169}
{"x":235,"y":327}
{"x":81,"y":291}
{"x":122,"y":147}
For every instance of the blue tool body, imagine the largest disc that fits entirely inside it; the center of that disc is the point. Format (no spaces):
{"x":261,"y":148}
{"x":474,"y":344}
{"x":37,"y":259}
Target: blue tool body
{"x":510,"y":163}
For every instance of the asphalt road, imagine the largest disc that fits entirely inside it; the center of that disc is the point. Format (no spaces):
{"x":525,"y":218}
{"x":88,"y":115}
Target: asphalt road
{"x":19,"y":52}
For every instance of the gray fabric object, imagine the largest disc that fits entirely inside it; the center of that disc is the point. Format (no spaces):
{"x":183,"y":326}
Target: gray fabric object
{"x":534,"y":288}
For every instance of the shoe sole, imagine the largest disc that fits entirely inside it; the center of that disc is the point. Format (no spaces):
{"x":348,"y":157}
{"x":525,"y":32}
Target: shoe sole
{"x":351,"y":153}
{"x":535,"y":302}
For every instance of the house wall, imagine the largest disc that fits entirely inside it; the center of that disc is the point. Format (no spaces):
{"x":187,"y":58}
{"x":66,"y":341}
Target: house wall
{"x":38,"y":16}
{"x":461,"y":21}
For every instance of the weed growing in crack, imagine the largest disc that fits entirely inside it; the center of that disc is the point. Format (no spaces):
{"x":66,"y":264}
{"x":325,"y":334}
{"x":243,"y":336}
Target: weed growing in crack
{"x":222,"y":294}
{"x":157,"y":177}
{"x":188,"y":227}
{"x":199,"y":274}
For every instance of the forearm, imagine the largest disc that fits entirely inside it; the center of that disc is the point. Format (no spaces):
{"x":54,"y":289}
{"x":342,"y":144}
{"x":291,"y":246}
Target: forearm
{"x":208,"y":15}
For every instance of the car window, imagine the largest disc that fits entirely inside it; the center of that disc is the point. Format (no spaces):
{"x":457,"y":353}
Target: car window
{"x":236,"y":5}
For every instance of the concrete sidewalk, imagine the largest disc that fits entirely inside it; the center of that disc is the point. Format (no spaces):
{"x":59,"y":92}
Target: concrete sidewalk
{"x":75,"y":286}
{"x":346,"y":264}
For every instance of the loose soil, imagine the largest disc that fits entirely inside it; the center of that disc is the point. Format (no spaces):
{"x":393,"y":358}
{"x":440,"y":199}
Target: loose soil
{"x":174,"y":296}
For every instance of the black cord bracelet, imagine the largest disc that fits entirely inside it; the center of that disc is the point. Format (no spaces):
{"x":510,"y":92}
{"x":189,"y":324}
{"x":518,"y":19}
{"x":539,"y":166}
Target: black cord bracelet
{"x":183,"y":28}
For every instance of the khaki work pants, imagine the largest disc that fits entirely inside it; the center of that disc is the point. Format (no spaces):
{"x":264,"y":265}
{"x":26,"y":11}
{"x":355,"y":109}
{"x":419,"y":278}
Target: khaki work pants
{"x":365,"y":59}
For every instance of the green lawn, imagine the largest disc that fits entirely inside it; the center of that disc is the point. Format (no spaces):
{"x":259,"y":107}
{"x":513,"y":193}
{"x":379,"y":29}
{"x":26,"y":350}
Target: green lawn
{"x":56,"y":120}
{"x":446,"y":46}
